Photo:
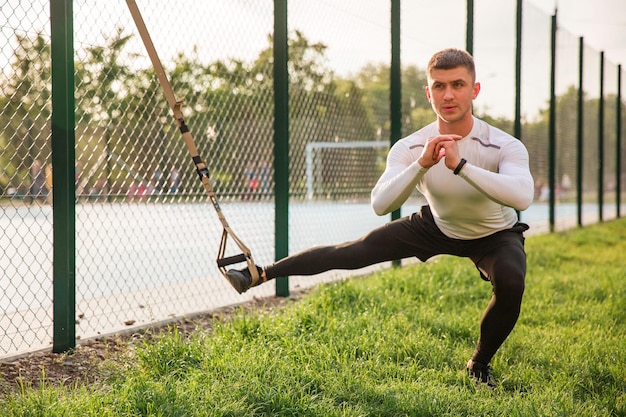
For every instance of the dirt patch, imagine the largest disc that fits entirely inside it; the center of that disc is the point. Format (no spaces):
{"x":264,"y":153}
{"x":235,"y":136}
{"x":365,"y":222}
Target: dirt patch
{"x":83,"y":365}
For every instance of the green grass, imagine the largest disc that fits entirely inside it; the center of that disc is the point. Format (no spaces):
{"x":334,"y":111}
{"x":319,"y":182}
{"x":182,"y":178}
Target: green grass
{"x":393,"y":343}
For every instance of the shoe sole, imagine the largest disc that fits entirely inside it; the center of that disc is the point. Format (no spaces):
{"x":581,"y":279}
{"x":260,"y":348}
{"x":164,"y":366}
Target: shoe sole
{"x":238,"y":280}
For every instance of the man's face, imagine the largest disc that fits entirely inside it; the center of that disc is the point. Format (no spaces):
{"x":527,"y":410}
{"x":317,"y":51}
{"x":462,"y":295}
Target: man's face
{"x":451,"y":93}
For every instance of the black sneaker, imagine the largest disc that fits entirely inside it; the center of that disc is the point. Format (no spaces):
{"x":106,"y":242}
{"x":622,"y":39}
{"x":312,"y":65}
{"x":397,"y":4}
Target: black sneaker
{"x":241,"y":279}
{"x":482,"y":373}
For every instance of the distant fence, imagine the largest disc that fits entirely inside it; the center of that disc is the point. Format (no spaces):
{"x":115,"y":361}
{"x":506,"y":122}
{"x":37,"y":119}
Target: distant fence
{"x":131,"y":238}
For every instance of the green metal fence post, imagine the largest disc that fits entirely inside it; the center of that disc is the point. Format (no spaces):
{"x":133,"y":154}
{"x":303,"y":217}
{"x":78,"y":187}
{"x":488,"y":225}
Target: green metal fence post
{"x":281,"y":140}
{"x":601,"y":142}
{"x":618,"y":145}
{"x":395,"y":88}
{"x":395,"y":84}
{"x":63,"y":176}
{"x":552,"y":125}
{"x":517,"y":128}
{"x":517,"y":123}
{"x":469,"y":34}
{"x":580,"y":132}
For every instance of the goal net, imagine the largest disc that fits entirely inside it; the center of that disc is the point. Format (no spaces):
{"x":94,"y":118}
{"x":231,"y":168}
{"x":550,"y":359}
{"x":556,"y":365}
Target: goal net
{"x":343,"y":170}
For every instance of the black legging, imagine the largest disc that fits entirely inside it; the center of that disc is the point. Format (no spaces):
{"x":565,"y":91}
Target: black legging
{"x":506,"y":267}
{"x":500,"y":258}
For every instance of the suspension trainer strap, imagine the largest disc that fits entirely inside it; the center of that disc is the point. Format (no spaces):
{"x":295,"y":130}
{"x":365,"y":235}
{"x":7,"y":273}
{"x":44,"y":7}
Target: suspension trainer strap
{"x":201,"y":167}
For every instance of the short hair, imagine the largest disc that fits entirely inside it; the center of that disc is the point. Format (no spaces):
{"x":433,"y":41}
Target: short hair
{"x":452,"y":58}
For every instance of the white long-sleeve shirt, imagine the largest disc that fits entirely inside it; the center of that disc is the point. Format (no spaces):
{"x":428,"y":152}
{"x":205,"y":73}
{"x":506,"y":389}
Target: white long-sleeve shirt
{"x":477,"y":202}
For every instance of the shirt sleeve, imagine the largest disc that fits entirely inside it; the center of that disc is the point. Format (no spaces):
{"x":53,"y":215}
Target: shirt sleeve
{"x":396,"y":184}
{"x":512,"y":185}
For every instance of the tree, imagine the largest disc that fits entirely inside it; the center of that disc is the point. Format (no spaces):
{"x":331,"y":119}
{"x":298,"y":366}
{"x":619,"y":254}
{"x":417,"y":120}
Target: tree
{"x":101,"y":80}
{"x":26,"y":110}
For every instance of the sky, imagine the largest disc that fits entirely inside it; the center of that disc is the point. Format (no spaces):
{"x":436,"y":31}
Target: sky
{"x":602,"y":23}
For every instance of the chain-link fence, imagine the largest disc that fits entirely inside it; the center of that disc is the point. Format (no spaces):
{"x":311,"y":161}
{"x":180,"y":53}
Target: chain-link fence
{"x":25,"y":177}
{"x":146,"y":235}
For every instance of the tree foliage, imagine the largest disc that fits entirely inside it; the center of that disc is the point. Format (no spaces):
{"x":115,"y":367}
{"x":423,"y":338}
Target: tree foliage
{"x":125,"y":135}
{"x":25,"y":110}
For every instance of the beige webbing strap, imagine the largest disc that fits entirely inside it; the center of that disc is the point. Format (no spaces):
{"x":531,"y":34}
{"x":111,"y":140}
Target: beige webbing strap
{"x":201,"y":167}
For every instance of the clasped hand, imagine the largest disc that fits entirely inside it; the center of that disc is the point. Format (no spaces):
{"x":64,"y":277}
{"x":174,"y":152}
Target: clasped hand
{"x":441,"y":147}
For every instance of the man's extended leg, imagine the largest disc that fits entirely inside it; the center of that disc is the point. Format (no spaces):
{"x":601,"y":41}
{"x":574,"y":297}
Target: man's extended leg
{"x":412,"y":236}
{"x":415,"y":235}
{"x":380,"y":245}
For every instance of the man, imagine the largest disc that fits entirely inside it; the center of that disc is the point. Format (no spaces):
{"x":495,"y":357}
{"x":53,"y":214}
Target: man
{"x":474,"y":178}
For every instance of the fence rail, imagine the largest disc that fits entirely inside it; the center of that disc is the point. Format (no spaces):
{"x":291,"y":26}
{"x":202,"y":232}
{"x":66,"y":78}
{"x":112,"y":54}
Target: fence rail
{"x":128,"y":237}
